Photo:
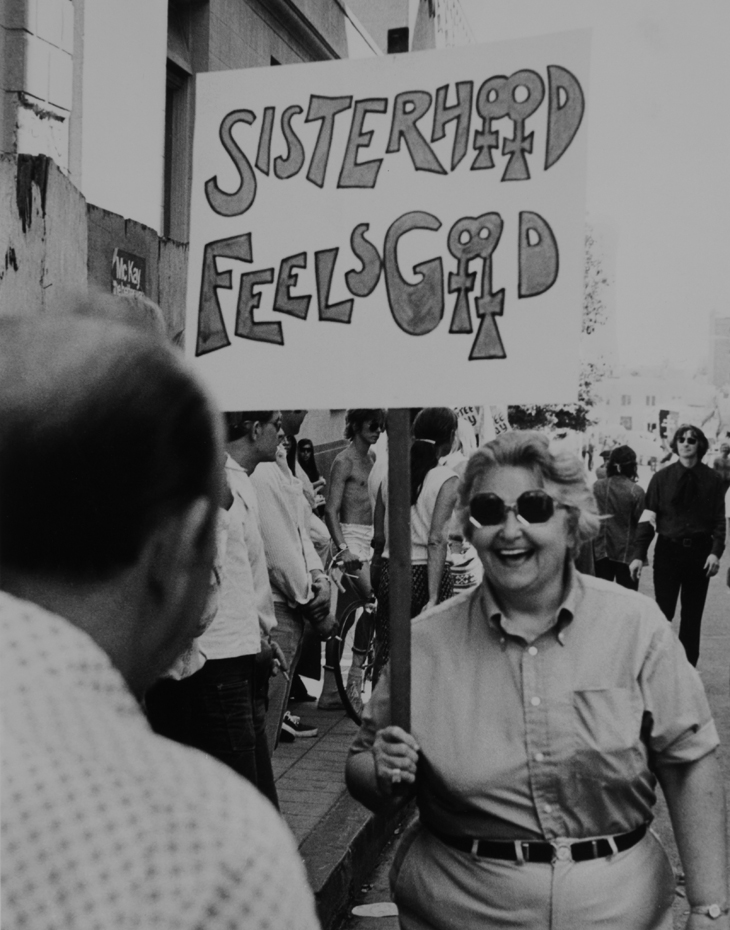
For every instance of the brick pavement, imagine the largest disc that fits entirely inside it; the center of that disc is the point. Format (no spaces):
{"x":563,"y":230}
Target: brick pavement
{"x":339,"y":840}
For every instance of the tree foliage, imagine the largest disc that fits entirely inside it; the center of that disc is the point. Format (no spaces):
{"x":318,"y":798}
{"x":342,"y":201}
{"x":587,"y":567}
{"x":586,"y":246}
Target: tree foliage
{"x":575,"y":416}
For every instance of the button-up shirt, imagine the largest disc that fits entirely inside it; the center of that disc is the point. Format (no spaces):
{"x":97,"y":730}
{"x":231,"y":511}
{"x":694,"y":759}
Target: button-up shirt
{"x":554,"y":738}
{"x":706,"y":515}
{"x":235,"y":628}
{"x":106,"y":824}
{"x":240,"y":484}
{"x":290,"y":553}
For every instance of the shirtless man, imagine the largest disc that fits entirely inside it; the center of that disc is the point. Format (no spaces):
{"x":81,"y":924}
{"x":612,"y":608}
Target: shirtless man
{"x":349,"y":517}
{"x":348,"y":511}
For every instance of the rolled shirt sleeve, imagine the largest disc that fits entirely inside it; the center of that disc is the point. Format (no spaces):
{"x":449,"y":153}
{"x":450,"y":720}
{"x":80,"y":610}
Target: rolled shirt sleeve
{"x":678,"y":725}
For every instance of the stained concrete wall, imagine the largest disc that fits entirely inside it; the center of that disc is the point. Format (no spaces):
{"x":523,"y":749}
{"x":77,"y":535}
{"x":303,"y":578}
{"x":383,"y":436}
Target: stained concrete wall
{"x":43,"y":243}
{"x":53,"y":244}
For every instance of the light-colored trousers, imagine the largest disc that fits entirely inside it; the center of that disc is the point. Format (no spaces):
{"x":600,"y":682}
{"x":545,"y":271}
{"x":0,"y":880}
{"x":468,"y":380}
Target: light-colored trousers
{"x":440,"y":888}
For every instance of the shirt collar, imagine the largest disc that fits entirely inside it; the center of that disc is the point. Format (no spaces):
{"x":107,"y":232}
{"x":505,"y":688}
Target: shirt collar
{"x":233,"y":464}
{"x":564,"y":614}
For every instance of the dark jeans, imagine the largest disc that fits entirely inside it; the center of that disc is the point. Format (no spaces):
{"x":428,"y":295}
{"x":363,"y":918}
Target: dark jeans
{"x":679,"y":569}
{"x":616,"y":571}
{"x":222,"y":710}
{"x":289,"y":635}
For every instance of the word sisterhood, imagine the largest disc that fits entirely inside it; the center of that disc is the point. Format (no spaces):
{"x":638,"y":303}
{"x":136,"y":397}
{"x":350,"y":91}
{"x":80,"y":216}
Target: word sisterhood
{"x":515,"y":98}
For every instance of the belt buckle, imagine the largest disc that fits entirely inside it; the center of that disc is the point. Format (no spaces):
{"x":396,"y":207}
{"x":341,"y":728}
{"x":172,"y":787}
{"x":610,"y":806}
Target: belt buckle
{"x":562,"y":849}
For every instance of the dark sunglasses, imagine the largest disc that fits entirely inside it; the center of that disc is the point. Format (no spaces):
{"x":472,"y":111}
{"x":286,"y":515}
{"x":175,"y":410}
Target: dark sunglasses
{"x":489,"y":509}
{"x":689,"y":439}
{"x":375,"y":424}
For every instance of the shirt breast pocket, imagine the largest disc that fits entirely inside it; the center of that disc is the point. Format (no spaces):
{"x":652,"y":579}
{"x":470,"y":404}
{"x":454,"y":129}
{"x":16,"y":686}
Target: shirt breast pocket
{"x":607,"y":733}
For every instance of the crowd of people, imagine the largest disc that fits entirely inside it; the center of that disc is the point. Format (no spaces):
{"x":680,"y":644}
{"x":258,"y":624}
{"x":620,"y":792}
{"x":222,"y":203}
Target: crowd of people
{"x":163,"y":582}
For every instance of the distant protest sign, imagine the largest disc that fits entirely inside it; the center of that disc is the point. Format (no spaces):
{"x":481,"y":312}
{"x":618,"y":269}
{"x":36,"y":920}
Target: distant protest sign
{"x":399,"y":231}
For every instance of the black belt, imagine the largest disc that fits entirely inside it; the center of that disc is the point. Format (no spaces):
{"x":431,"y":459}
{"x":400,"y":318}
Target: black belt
{"x":687,"y":542}
{"x":529,"y":851}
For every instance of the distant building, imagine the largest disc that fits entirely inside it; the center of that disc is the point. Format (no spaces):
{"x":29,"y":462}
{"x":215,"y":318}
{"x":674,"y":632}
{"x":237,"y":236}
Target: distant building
{"x":632,"y":401}
{"x":719,"y":350}
{"x":413,"y":25}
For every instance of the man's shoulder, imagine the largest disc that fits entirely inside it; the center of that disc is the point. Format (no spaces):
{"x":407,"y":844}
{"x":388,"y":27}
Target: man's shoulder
{"x":213,"y":839}
{"x":267,"y":475}
{"x":344,"y":461}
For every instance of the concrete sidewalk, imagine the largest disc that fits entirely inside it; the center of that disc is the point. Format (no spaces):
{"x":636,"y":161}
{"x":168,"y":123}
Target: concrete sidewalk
{"x":339,"y":839}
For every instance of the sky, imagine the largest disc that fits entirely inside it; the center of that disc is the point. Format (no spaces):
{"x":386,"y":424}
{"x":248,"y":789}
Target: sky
{"x":658,"y":157}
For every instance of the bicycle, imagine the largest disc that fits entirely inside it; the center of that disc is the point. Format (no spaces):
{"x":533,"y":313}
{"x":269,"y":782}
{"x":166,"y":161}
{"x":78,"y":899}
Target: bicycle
{"x":355,"y":637}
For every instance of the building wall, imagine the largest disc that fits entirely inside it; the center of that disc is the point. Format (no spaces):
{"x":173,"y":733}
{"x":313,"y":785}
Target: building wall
{"x":123,"y":106}
{"x":37,"y":44}
{"x":452,"y":27}
{"x":432,"y":23}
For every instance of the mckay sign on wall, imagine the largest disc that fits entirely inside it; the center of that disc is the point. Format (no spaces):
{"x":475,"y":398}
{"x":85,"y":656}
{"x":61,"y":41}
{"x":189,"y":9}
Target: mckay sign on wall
{"x":400,"y":231}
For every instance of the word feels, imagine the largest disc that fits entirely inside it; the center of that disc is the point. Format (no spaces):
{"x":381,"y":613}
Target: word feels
{"x":416,"y":308}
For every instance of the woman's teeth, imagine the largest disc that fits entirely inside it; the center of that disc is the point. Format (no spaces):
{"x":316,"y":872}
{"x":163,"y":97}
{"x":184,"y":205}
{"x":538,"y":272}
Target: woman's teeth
{"x":513,"y":555}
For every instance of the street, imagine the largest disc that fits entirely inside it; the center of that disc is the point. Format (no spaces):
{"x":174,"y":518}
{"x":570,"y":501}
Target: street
{"x":714,"y":666}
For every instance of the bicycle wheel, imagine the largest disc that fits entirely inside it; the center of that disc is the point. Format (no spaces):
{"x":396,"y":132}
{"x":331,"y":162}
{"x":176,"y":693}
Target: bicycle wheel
{"x":356,"y":658}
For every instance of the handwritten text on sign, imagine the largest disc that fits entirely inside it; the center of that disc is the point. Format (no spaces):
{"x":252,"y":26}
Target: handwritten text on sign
{"x":337,"y":192}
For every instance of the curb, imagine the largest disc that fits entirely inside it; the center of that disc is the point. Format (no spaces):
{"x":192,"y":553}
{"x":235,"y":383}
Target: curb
{"x":341,"y":852}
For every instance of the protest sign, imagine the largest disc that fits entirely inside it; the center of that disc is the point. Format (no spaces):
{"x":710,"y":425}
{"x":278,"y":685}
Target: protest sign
{"x":397,"y":232}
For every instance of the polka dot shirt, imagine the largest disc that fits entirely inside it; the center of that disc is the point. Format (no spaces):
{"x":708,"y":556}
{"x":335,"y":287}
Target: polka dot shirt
{"x":107,"y":825}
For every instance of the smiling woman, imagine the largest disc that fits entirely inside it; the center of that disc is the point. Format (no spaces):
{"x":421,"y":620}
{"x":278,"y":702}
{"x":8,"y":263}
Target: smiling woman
{"x":545,"y":706}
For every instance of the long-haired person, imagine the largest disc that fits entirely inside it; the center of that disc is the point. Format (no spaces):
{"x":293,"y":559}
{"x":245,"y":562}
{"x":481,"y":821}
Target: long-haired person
{"x":545,"y":705}
{"x":621,"y":501}
{"x":685,"y":504}
{"x":433,"y":496}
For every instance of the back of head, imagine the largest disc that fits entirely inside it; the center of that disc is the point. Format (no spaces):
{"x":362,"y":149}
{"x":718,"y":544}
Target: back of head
{"x":621,"y":461}
{"x":135,"y":310}
{"x":433,"y":429}
{"x":239,"y":423}
{"x":103,"y":433}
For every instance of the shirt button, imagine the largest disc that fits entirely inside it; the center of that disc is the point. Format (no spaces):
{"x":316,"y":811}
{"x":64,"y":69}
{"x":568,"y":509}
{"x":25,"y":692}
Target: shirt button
{"x":539,"y":757}
{"x":548,"y":808}
{"x":532,"y":650}
{"x":535,"y":701}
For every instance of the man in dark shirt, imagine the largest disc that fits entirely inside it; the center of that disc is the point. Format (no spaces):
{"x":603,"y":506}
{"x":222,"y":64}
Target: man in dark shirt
{"x":685,"y":503}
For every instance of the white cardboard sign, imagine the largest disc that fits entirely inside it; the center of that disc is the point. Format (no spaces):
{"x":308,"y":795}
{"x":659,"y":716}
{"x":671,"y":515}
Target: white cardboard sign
{"x":397,"y":232}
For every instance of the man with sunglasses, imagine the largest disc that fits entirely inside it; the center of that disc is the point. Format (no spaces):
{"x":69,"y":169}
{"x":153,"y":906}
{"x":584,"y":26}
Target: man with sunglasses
{"x":685,"y":505}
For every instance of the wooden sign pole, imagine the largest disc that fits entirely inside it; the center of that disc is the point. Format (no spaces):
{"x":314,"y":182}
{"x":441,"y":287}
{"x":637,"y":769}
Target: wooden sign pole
{"x":399,"y":545}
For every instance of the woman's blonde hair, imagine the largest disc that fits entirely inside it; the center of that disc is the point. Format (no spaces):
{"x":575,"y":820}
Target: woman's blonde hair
{"x":559,"y":471}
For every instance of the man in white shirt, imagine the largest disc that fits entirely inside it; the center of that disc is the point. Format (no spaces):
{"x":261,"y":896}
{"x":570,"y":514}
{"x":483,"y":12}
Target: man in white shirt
{"x":105,"y":561}
{"x":299,"y":585}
